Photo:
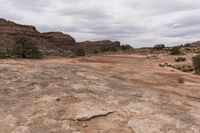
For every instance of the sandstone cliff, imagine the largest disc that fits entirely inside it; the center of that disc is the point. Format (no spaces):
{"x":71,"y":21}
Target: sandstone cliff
{"x":49,"y":40}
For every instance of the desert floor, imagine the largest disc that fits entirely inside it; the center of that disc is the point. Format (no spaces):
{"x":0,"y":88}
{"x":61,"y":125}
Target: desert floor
{"x":102,"y":94}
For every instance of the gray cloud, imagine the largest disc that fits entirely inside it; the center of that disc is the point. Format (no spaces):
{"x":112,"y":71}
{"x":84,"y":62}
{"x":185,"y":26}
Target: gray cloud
{"x":142,"y":23}
{"x":86,"y":13}
{"x":30,"y":5}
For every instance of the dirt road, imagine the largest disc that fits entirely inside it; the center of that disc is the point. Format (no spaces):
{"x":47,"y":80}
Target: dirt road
{"x":106,"y":94}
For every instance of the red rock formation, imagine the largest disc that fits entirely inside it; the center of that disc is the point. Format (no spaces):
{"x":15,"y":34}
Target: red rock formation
{"x":60,"y":39}
{"x":9,"y":29}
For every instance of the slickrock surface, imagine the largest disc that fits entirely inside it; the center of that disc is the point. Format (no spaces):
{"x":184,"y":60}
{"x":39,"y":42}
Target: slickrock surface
{"x":107,"y":94}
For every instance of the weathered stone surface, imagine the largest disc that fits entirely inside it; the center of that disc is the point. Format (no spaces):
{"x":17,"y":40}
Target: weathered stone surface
{"x":69,"y":95}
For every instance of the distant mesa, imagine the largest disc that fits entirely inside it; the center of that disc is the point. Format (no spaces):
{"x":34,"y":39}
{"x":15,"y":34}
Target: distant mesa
{"x":193,"y":44}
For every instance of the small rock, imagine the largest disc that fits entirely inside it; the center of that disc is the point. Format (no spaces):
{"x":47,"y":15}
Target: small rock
{"x":181,"y":80}
{"x":58,"y":99}
{"x":84,"y":125}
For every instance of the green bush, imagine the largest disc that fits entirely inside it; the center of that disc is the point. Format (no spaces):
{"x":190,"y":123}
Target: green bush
{"x":196,"y":64}
{"x":175,"y":51}
{"x":187,"y":45}
{"x":159,"y":46}
{"x":108,"y":49}
{"x":2,"y":55}
{"x":180,"y":59}
{"x":105,"y":49}
{"x":113,"y":49}
{"x":125,"y":47}
{"x":79,"y":52}
{"x":95,"y":51}
{"x":24,"y":47}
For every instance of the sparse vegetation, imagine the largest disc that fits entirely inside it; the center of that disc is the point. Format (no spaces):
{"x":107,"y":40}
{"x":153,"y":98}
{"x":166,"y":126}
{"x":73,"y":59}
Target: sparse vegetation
{"x":125,"y":47}
{"x":159,"y":46}
{"x":79,"y":52}
{"x":2,"y":55}
{"x":95,"y":51}
{"x":175,"y":51}
{"x":108,"y":49}
{"x":196,"y":64}
{"x":180,"y":59}
{"x":187,"y":45}
{"x":24,"y":47}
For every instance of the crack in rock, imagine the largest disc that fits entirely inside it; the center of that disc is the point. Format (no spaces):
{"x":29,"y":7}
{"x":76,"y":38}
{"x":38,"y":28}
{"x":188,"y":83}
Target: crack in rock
{"x":87,"y":117}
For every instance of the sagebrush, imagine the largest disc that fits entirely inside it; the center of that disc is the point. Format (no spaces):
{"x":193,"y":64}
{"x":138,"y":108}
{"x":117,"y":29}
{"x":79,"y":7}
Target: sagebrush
{"x":180,"y":59}
{"x":175,"y":51}
{"x":196,"y":64}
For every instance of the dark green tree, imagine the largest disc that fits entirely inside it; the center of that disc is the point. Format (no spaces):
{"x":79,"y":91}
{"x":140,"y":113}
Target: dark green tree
{"x":159,"y":46}
{"x":24,"y":47}
{"x":79,"y":52}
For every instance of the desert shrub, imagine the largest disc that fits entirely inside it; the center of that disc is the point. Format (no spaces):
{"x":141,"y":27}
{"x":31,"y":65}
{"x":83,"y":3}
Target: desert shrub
{"x":175,"y":50}
{"x":79,"y":52}
{"x":180,"y":59}
{"x":113,"y":49}
{"x":2,"y":55}
{"x":187,"y":45}
{"x":159,"y":46}
{"x":105,"y":49}
{"x":196,"y":64}
{"x":125,"y":47}
{"x":24,"y":47}
{"x":108,"y":49}
{"x":95,"y":51}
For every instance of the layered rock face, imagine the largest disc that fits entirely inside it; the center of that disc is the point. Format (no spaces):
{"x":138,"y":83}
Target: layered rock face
{"x":60,"y":39}
{"x":9,"y":29}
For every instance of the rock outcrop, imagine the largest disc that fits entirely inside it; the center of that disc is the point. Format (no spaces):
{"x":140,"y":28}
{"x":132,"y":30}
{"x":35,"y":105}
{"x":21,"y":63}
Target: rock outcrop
{"x":55,"y":40}
{"x":60,"y":39}
{"x":8,"y":27}
{"x":193,"y":44}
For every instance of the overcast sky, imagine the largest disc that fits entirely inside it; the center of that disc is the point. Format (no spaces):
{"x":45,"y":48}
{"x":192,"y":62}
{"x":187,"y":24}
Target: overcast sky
{"x":137,"y":22}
